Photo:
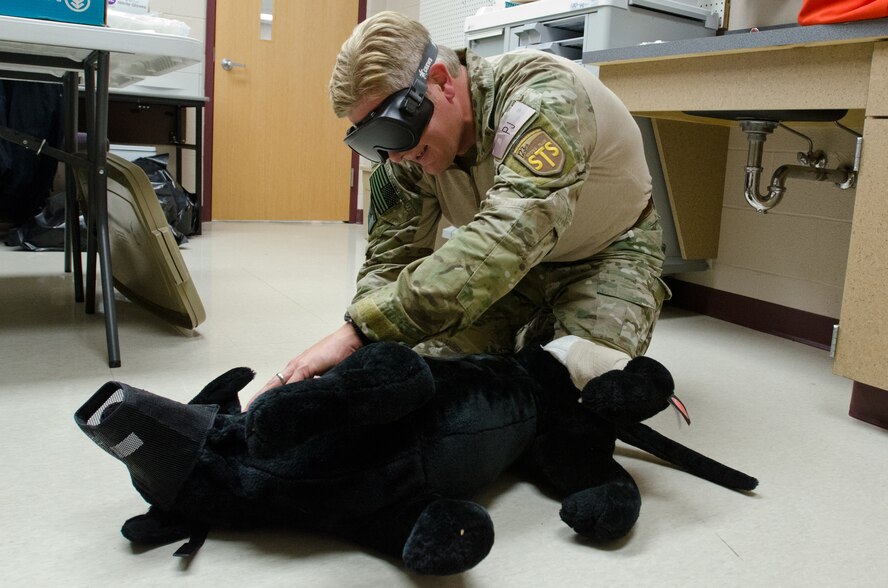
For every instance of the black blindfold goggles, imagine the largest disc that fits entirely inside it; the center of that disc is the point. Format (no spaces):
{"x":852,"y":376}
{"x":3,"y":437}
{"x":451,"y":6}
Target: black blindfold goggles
{"x":399,"y":121}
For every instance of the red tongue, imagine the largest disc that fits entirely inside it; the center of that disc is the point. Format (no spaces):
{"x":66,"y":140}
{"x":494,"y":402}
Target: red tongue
{"x":680,"y":407}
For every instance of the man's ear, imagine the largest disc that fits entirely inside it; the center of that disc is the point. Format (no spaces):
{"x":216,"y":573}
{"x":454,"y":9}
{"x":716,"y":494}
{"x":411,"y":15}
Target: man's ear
{"x":439,"y":76}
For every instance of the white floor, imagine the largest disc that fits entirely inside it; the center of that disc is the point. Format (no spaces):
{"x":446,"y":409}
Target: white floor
{"x":765,"y":405}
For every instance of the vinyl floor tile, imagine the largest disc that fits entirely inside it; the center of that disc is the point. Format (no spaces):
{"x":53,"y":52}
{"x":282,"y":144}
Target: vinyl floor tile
{"x":764,"y":405}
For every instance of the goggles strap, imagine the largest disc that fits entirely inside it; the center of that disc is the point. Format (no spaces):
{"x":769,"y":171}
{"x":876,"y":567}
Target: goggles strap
{"x":416,"y":93}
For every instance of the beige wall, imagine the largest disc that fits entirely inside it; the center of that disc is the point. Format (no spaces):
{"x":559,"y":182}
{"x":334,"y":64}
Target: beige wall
{"x":408,"y":7}
{"x":795,"y":255}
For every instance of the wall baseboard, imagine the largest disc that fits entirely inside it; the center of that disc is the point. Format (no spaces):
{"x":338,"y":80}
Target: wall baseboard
{"x":868,"y":403}
{"x":767,"y":317}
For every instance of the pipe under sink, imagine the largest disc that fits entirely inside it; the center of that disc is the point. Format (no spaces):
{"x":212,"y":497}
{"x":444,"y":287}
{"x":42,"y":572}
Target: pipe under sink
{"x":758,"y":124}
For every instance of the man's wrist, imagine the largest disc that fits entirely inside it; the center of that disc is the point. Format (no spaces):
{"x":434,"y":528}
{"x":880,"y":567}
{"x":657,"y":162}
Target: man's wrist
{"x":365,"y":340}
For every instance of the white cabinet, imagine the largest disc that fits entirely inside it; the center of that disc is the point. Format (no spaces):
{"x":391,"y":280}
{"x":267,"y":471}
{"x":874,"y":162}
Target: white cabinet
{"x":570,"y":28}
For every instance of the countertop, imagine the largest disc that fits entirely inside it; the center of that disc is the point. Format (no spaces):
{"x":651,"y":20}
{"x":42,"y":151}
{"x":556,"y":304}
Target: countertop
{"x":734,"y":42}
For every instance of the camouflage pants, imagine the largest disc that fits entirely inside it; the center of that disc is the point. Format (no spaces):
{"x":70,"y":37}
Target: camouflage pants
{"x":612,"y":298}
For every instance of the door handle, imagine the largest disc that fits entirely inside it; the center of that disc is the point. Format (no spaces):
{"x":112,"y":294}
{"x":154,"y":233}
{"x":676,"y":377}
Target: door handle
{"x":228,"y":65}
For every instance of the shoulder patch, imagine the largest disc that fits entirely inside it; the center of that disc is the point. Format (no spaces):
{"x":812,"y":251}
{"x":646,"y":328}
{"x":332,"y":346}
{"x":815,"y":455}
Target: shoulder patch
{"x":383,"y":195}
{"x":509,"y":126}
{"x":540,"y":153}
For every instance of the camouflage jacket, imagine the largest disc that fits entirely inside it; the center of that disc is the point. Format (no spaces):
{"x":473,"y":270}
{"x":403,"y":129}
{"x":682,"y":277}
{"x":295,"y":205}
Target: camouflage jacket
{"x":557,"y":173}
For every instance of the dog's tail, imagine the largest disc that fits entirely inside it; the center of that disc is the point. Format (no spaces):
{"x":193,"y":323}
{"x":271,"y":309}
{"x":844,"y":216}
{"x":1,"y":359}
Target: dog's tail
{"x":645,"y":438}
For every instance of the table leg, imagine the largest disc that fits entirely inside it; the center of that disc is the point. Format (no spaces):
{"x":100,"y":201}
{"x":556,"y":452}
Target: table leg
{"x":181,"y":134}
{"x":97,"y":70}
{"x":89,"y":74}
{"x":198,"y":163}
{"x":101,"y":202}
{"x":72,"y":208}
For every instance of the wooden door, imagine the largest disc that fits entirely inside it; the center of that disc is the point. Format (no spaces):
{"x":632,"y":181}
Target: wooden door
{"x":277,"y":148}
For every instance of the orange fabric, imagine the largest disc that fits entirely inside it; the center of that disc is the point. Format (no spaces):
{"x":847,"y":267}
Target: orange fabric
{"x":815,"y":12}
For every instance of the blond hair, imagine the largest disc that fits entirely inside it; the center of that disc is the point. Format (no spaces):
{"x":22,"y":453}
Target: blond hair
{"x":380,"y":58}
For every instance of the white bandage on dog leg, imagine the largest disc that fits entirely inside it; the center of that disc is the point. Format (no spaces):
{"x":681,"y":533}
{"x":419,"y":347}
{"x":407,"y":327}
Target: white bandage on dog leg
{"x":584,"y":359}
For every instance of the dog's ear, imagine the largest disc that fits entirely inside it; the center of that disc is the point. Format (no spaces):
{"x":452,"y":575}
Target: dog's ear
{"x":223,"y":390}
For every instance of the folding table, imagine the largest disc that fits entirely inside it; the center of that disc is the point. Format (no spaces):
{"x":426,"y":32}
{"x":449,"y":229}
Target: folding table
{"x":55,"y":52}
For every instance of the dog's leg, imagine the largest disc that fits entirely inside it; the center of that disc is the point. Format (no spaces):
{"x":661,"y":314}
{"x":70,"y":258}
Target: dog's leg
{"x":433,"y":536}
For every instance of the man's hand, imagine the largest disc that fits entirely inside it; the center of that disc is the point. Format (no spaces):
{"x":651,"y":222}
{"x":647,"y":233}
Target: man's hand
{"x":317,"y":359}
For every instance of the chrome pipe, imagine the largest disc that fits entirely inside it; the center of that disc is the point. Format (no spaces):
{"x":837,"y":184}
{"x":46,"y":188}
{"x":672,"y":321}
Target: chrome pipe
{"x":756,"y":133}
{"x":761,"y":202}
{"x":842,"y":178}
{"x":803,"y":172}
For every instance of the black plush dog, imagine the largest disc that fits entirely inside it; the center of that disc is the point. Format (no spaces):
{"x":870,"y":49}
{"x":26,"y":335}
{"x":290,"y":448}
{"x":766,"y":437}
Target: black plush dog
{"x":384,"y":449}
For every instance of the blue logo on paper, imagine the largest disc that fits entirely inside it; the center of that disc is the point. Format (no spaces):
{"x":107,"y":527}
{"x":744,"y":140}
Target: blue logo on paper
{"x":77,"y":5}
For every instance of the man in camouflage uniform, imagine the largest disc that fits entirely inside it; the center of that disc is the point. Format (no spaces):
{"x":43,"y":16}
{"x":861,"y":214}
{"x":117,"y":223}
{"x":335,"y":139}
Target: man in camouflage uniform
{"x":541,"y":169}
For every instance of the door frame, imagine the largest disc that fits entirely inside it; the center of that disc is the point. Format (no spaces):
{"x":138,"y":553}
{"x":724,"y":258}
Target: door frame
{"x":206,"y":210}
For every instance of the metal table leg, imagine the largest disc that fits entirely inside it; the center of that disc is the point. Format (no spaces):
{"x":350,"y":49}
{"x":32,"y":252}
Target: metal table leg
{"x":198,"y":163}
{"x":98,"y":242}
{"x":89,"y":81}
{"x":72,"y":208}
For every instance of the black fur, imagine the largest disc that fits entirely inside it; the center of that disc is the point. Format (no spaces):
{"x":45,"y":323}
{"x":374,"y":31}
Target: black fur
{"x":385,"y":449}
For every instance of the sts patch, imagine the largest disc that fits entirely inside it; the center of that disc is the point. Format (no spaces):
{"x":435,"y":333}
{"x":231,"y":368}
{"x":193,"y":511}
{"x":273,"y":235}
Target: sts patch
{"x":540,"y":153}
